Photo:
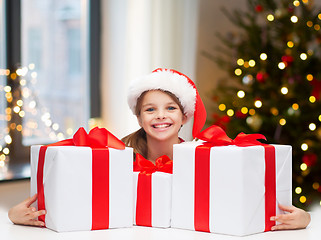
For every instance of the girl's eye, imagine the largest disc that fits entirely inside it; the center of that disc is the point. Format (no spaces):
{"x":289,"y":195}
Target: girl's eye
{"x":149,"y":109}
{"x":171,"y":108}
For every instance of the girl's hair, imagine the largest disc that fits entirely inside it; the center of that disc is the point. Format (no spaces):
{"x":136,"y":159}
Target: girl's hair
{"x":137,"y":140}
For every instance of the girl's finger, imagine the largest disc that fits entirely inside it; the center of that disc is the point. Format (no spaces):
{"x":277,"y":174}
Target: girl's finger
{"x":286,"y":208}
{"x":36,"y":223}
{"x":34,"y":215}
{"x":280,"y":227}
{"x":30,"y":200}
{"x":284,"y":218}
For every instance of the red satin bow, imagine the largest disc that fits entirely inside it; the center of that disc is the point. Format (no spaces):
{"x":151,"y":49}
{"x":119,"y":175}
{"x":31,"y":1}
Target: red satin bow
{"x":162,"y":164}
{"x":216,"y":136}
{"x":96,"y":138}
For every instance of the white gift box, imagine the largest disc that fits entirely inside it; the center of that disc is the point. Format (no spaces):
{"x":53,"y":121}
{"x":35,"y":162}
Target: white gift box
{"x":68,"y":179}
{"x":161,"y":197}
{"x":236,"y":188}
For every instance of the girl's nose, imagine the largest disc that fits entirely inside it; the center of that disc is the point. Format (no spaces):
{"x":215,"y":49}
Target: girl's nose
{"x":161,"y":114}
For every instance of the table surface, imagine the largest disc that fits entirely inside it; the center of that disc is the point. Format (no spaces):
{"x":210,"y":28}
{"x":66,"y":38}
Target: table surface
{"x":12,"y":193}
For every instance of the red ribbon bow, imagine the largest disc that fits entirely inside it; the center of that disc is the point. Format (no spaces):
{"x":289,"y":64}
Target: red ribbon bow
{"x":162,"y":164}
{"x":96,"y":138}
{"x":216,"y":136}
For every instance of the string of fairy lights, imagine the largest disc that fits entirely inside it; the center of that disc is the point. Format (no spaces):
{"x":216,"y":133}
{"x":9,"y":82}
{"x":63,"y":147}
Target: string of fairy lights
{"x":294,"y":109}
{"x":21,"y":104}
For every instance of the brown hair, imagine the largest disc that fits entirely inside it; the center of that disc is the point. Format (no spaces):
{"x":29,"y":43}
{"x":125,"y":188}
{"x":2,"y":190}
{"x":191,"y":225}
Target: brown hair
{"x":137,"y":140}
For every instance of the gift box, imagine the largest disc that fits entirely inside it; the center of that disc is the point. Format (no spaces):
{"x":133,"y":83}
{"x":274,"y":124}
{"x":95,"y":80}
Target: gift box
{"x":229,"y":189}
{"x":152,"y":192}
{"x":84,"y":187}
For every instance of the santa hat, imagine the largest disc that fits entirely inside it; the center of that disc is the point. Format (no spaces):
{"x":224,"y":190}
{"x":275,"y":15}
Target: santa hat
{"x":177,"y":83}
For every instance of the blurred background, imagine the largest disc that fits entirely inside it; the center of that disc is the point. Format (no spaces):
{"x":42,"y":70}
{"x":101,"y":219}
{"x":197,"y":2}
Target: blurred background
{"x":66,"y":64}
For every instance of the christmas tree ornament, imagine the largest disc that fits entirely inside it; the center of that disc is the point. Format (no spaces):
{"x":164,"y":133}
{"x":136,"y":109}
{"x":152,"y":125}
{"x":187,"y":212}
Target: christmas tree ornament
{"x":259,"y":8}
{"x":291,"y":9}
{"x":221,"y":121}
{"x":240,"y":114}
{"x":293,"y":112}
{"x":261,"y":76}
{"x":316,"y":88}
{"x":287,"y":59}
{"x":274,"y":111}
{"x":255,"y":122}
{"x":247,"y":79}
{"x":309,"y":159}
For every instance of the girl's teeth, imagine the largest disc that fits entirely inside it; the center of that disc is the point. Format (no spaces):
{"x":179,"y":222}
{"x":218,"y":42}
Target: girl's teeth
{"x":161,"y":125}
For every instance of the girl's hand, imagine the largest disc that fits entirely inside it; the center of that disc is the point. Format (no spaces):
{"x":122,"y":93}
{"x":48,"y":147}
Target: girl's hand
{"x":295,"y":219}
{"x":24,"y":214}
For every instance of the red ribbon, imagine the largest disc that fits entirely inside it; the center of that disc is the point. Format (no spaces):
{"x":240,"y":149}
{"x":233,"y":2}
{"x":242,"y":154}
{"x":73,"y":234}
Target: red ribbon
{"x":99,"y":139}
{"x":162,"y":164}
{"x":144,"y":185}
{"x":202,"y":189}
{"x":216,"y":136}
{"x":96,"y":138}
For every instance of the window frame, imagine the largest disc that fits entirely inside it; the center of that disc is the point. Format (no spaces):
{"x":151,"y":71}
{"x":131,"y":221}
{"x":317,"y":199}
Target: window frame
{"x":3,"y":56}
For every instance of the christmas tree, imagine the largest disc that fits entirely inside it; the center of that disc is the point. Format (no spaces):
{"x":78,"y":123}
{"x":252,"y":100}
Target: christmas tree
{"x":274,"y":86}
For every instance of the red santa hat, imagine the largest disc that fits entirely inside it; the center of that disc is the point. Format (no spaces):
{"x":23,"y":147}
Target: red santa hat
{"x":178,"y":84}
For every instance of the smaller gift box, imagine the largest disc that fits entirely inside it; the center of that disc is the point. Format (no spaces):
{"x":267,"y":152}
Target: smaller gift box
{"x":229,"y":186}
{"x":152,"y":192}
{"x":82,"y":184}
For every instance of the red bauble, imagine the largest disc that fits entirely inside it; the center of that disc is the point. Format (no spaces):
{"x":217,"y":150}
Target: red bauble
{"x":310,"y":159}
{"x":258,"y":8}
{"x":287,"y":59}
{"x":261,"y":77}
{"x":316,"y":88}
{"x":290,"y":9}
{"x":221,"y":121}
{"x":239,"y":114}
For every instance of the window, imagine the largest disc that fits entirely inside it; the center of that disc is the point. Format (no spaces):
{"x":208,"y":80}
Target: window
{"x":34,"y":47}
{"x":74,"y":53}
{"x":47,"y":51}
{"x":55,"y":58}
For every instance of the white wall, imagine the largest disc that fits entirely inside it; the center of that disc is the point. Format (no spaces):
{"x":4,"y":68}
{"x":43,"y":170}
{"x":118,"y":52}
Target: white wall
{"x":211,"y":21}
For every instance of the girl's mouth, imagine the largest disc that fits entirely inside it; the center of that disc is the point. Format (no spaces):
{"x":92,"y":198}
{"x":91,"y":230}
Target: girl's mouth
{"x":163,"y":125}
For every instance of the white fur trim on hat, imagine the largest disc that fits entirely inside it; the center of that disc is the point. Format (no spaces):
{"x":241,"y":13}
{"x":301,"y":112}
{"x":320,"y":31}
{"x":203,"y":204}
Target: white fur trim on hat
{"x":164,"y":80}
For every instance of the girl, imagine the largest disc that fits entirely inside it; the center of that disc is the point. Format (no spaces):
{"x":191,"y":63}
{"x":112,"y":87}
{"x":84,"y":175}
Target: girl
{"x":163,"y":101}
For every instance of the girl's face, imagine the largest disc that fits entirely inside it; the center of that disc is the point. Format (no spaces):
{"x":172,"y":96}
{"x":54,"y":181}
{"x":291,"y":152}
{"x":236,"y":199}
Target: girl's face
{"x":160,"y":116}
